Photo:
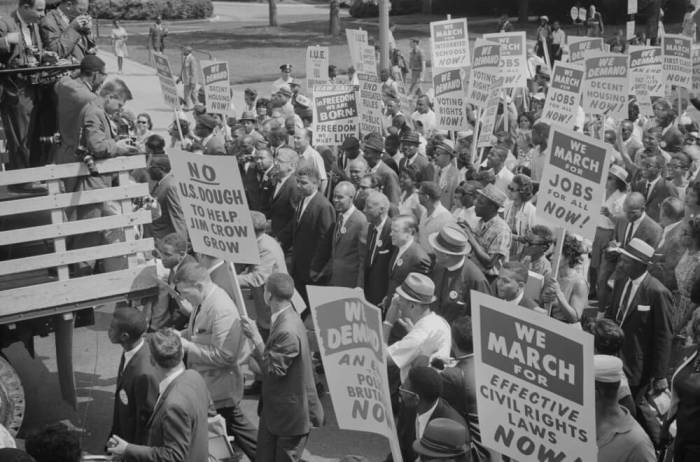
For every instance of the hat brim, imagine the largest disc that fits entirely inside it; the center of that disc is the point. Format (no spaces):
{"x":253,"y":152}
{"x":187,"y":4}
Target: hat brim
{"x":422,"y":450}
{"x":401,"y":292}
{"x":499,"y":204}
{"x":618,"y":177}
{"x":432,"y":239}
{"x":633,"y":257}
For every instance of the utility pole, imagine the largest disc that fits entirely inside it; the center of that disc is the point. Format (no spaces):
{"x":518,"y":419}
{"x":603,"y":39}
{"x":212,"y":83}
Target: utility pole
{"x":384,"y":6}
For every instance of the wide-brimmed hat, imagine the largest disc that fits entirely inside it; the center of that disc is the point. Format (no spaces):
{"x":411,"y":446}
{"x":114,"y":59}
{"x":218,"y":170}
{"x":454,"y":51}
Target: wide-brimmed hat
{"x":442,"y":439}
{"x":493,"y":194}
{"x":410,"y":138}
{"x":445,"y":147}
{"x":450,"y":240}
{"x":618,"y":172}
{"x":417,"y":288}
{"x":638,"y":250}
{"x":374,"y":142}
{"x":248,"y":115}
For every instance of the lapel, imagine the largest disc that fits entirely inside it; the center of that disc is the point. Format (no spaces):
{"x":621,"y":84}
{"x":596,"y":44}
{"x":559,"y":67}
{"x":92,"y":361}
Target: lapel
{"x":131,"y":365}
{"x":632,"y":307}
{"x":282,"y":190}
{"x":162,"y":398}
{"x":394,"y":255}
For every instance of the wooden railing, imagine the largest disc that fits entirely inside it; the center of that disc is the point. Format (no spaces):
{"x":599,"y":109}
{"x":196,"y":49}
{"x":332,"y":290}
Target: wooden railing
{"x":62,"y":292}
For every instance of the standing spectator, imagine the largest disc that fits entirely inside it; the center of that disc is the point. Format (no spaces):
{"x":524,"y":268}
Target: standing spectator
{"x":540,"y":138}
{"x":156,"y":36}
{"x":289,"y":404}
{"x":379,"y":247}
{"x":678,"y":170}
{"x":386,"y":177}
{"x":302,"y":145}
{"x":544,"y":35}
{"x":349,"y":239}
{"x":594,"y":23}
{"x":285,"y":196}
{"x":119,"y":37}
{"x":409,"y":147}
{"x":425,"y":115}
{"x":558,"y":42}
{"x":284,"y":79}
{"x":416,"y":64}
{"x":446,"y":175}
{"x":349,"y":151}
{"x":454,"y":274}
{"x":687,"y":273}
{"x":172,"y":218}
{"x":137,"y":384}
{"x":408,"y":256}
{"x":671,"y":247}
{"x":436,"y":215}
{"x":209,"y":141}
{"x":177,"y":430}
{"x":653,"y":186}
{"x":168,"y":312}
{"x":519,"y":211}
{"x":55,"y":443}
{"x":188,"y":77}
{"x":642,"y":306}
{"x":213,"y":341}
{"x":67,"y":30}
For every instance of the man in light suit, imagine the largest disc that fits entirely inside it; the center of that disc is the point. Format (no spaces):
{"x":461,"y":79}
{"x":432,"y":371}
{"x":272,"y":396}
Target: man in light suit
{"x":349,"y":239}
{"x":168,"y":311}
{"x":447,"y":175}
{"x":285,"y":194}
{"x":642,"y":306}
{"x":289,"y":404}
{"x":188,"y":77}
{"x":172,"y":218}
{"x":379,"y":247}
{"x":178,"y":428}
{"x":137,"y":384}
{"x":213,"y":341}
{"x":653,"y":186}
{"x":670,"y":249}
{"x":387,"y":178}
{"x":66,"y":30}
{"x":311,"y":233}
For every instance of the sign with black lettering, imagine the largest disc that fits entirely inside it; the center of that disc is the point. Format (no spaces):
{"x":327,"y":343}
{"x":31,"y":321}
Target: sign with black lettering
{"x":370,"y":103}
{"x":450,"y":108}
{"x":450,"y":43}
{"x":648,"y":61}
{"x":572,"y":188}
{"x":316,"y":66}
{"x":167,"y":81}
{"x":217,"y":87}
{"x":357,"y":38}
{"x":513,"y":58}
{"x":534,"y":377}
{"x":215,"y":206}
{"x":335,"y":114}
{"x":564,"y":95}
{"x":485,"y":68}
{"x":488,"y":118}
{"x":678,"y":60}
{"x":606,"y":85}
{"x":579,"y":45}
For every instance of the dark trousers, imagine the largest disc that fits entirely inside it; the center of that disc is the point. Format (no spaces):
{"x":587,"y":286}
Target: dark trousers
{"x":243,"y":431}
{"x":19,"y":117}
{"x":273,"y":448}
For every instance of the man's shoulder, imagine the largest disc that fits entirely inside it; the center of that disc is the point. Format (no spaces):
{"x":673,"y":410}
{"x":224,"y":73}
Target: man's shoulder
{"x":51,"y":18}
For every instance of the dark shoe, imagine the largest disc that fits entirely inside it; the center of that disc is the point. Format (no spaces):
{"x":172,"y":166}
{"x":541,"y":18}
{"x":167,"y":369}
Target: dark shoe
{"x":254,"y":389}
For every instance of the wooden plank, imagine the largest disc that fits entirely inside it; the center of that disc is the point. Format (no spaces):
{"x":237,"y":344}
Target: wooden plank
{"x":51,"y":260}
{"x":71,"y":228}
{"x":57,"y":216}
{"x":58,"y":171}
{"x":59,"y":201}
{"x":26,"y":299}
{"x":129,"y":232}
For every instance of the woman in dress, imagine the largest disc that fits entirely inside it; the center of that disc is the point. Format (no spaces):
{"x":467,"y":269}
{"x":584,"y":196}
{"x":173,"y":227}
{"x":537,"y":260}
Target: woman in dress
{"x":519,"y":212}
{"x":523,"y":139}
{"x":687,"y":272}
{"x":568,"y":294}
{"x":119,"y":37}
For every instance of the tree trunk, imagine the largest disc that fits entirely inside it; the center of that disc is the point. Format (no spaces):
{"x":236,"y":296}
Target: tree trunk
{"x":334,"y":24}
{"x":523,"y":10}
{"x":273,"y":12}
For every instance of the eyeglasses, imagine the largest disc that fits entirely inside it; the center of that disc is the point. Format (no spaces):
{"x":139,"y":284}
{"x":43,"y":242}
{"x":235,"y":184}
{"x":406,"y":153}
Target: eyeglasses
{"x":512,"y":188}
{"x":144,"y":122}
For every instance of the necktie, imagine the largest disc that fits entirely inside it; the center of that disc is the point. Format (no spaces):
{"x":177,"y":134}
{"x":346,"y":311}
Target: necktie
{"x":372,"y":243}
{"x":628,"y":234}
{"x":299,"y":210}
{"x":121,"y":366}
{"x":339,"y":226}
{"x":647,"y":187}
{"x":624,"y":301}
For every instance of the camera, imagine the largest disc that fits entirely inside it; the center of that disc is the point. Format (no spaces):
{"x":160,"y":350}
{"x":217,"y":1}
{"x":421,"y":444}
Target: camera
{"x":51,"y":139}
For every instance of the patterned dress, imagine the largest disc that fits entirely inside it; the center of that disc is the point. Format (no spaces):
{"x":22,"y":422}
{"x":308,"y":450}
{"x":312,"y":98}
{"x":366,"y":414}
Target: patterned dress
{"x":687,"y":272}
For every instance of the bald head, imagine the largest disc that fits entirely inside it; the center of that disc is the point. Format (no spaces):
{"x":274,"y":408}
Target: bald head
{"x":376,"y":207}
{"x":345,"y":188}
{"x":633,"y":207}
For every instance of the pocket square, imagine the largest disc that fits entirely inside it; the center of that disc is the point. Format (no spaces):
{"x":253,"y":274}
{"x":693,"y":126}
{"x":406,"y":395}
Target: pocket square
{"x":643,"y":308}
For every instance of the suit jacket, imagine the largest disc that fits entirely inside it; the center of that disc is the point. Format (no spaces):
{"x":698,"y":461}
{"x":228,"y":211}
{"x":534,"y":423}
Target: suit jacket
{"x":178,"y":429}
{"x":282,"y":208}
{"x":647,"y":328}
{"x":16,"y":55}
{"x":136,"y":394}
{"x":172,"y":218}
{"x":217,"y":338}
{"x":98,"y":137}
{"x":72,"y":94}
{"x":290,"y":404}
{"x":459,"y":386}
{"x":60,"y":37}
{"x":156,"y":36}
{"x":349,"y":251}
{"x":425,"y":168}
{"x":413,"y":260}
{"x":377,"y":263}
{"x":661,"y":190}
{"x":667,"y":256}
{"x":453,"y":289}
{"x":251,"y":184}
{"x":388,"y":182}
{"x":188,"y":72}
{"x":310,"y":239}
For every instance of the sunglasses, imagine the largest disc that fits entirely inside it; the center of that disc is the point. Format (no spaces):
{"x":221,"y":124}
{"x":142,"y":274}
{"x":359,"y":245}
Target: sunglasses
{"x":143,"y":122}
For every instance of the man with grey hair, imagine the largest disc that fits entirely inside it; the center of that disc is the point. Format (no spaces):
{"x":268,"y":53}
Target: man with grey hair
{"x":302,"y":145}
{"x":379,"y":247}
{"x":349,"y":239}
{"x":285,"y":194}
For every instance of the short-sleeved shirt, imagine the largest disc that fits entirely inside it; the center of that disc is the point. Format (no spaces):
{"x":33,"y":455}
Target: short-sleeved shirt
{"x":430,"y":336}
{"x":415,"y":60}
{"x":625,"y":443}
{"x":494,"y":236}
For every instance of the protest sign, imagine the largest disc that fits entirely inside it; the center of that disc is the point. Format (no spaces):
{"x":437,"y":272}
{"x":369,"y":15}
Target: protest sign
{"x":561,"y":105}
{"x":370,"y":103}
{"x":450,"y":109}
{"x":513,"y":64}
{"x":640,"y":89}
{"x":217,"y":87}
{"x":696,"y":69}
{"x":483,"y":72}
{"x":648,"y":61}
{"x":605,"y":85}
{"x":335,"y":114}
{"x":678,"y":60}
{"x":631,"y":6}
{"x":167,"y":81}
{"x":572,"y":188}
{"x":215,"y":206}
{"x":368,"y":58}
{"x":356,"y":39}
{"x":488,"y":118}
{"x":534,"y":376}
{"x":579,"y":45}
{"x":630,"y":30}
{"x":574,"y":13}
{"x":316,"y":66}
{"x":450,"y":43}
{"x":349,"y":334}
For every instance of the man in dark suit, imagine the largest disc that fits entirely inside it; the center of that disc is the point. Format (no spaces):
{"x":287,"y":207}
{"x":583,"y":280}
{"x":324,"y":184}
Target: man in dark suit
{"x":510,"y":285}
{"x":311,"y":233}
{"x":409,"y":147}
{"x":408,"y":256}
{"x":671,"y":137}
{"x":349,"y":239}
{"x":653,"y":186}
{"x":210,"y":143}
{"x":66,"y":30}
{"x":670,"y":248}
{"x":642,"y":306}
{"x":267,"y":176}
{"x":168,"y":311}
{"x":379,"y":247}
{"x":289,"y":404}
{"x":386,"y":177}
{"x":454,"y":275}
{"x":285,"y":194}
{"x":172,"y":218}
{"x":349,"y":151}
{"x":137,"y":384}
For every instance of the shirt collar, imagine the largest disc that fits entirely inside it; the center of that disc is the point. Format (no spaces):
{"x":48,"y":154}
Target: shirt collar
{"x":670,"y":227}
{"x":170,"y":378}
{"x":376,"y":167}
{"x":348,"y":213}
{"x":519,"y":297}
{"x":274,"y":316}
{"x":164,"y":177}
{"x":636,"y":282}
{"x":381,"y":225}
{"x":653,"y":182}
{"x":131,"y":353}
{"x":405,"y":247}
{"x":639,"y":220}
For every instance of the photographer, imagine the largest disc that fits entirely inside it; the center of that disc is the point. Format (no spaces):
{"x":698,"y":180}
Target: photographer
{"x":67,"y":30}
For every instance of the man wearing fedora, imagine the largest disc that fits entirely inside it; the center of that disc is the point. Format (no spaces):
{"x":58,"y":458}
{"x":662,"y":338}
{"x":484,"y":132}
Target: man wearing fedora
{"x":454,"y":274}
{"x":387,"y":178}
{"x":249,"y":120}
{"x":409,"y":147}
{"x":442,"y":439}
{"x":349,"y":239}
{"x":379,"y":247}
{"x":408,"y":256}
{"x":642,"y":306}
{"x":491,"y":242}
{"x":349,"y":151}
